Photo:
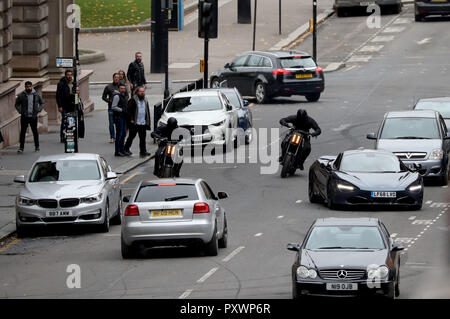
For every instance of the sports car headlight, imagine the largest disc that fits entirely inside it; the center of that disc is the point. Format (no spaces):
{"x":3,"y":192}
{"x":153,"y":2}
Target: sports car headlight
{"x":436,"y":154}
{"x":219,"y":123}
{"x":25,"y":201}
{"x":415,"y":187}
{"x":92,"y":199}
{"x":303,"y":272}
{"x":378,"y":273}
{"x":345,"y":186}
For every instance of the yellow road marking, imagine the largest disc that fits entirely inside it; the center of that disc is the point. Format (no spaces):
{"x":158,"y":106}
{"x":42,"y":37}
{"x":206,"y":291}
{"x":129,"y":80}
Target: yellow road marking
{"x":127,"y":179}
{"x":15,"y":241}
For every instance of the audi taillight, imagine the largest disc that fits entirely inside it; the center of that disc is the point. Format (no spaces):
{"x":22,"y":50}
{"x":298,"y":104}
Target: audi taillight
{"x":280,"y":72}
{"x":201,"y":208}
{"x":132,"y":210}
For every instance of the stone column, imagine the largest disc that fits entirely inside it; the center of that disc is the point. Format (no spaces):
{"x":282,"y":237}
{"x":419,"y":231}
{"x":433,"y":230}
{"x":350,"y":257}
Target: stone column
{"x":5,"y":39}
{"x":31,"y":42}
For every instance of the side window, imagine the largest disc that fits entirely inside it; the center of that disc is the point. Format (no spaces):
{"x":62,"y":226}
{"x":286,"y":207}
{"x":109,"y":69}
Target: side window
{"x":211,"y":192}
{"x":239,"y":61}
{"x":444,"y":127}
{"x":254,"y":61}
{"x":265,"y":62}
{"x":104,"y":166}
{"x":383,"y":228}
{"x":206,"y":190}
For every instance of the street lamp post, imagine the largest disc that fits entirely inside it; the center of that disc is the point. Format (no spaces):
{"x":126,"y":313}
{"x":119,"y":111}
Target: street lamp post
{"x":314,"y":30}
{"x":254,"y":24}
{"x":166,"y":11}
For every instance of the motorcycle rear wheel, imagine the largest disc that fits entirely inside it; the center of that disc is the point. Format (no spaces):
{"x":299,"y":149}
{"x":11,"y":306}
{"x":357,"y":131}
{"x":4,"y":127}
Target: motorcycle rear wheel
{"x":286,"y":167}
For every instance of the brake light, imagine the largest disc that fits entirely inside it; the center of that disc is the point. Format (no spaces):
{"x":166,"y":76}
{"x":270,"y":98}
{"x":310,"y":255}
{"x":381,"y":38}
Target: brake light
{"x":280,"y":72}
{"x":168,"y":184}
{"x":201,"y":208}
{"x":298,"y":57}
{"x":296,"y":139}
{"x":132,"y":210}
{"x":319,"y":70}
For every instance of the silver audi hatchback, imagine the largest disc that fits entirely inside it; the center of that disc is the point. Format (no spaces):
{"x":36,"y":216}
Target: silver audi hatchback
{"x":173,"y":212}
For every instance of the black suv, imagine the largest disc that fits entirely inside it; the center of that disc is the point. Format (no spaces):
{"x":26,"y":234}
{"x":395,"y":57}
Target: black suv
{"x":267,"y":74}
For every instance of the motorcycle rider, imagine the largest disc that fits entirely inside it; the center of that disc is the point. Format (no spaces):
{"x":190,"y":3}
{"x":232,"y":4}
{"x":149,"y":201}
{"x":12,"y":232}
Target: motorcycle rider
{"x":300,"y":121}
{"x":162,"y":134}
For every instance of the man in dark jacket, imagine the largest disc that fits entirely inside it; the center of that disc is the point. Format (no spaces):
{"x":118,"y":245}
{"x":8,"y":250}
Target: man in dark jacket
{"x":65,"y":99}
{"x":29,"y":103}
{"x":136,"y":73}
{"x":120,"y":115}
{"x":162,"y":134}
{"x":300,"y":121}
{"x":107,"y":96}
{"x":139,"y":121}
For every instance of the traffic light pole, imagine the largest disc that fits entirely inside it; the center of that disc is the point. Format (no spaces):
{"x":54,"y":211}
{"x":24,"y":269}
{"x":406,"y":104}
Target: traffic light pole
{"x":314,"y":30}
{"x":254,"y":25}
{"x":206,"y":51}
{"x":166,"y":55}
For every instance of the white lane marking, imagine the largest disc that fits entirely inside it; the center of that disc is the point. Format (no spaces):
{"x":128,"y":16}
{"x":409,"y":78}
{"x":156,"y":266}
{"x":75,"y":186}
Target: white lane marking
{"x":280,"y":217}
{"x":342,"y":127}
{"x":402,"y":20}
{"x":424,"y":41}
{"x":383,"y":38}
{"x":207,"y":275}
{"x":423,"y":222}
{"x":186,"y":294}
{"x":233,"y":253}
{"x":394,"y":29}
{"x":393,"y":235}
{"x":360,"y":58}
{"x":371,"y":48}
{"x":412,"y":218}
{"x":258,"y":234}
{"x":298,"y":201}
{"x":428,"y":202}
{"x":404,"y":240}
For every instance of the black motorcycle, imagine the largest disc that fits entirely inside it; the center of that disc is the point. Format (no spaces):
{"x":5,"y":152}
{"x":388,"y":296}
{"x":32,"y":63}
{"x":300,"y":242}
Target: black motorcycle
{"x":171,"y":159}
{"x":290,"y":162}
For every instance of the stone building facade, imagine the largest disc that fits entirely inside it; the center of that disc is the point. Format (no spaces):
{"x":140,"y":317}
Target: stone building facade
{"x":32,"y":34}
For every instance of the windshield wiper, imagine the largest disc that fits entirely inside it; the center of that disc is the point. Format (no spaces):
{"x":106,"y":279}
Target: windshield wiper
{"x":337,"y":247}
{"x":412,"y":138}
{"x":171,"y":199}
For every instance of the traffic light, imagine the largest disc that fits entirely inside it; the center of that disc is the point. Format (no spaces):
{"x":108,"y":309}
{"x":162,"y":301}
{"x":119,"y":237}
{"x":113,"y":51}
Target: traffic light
{"x":207,"y":19}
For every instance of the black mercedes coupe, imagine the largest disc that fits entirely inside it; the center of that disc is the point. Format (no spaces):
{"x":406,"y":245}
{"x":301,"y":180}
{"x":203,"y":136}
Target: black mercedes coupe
{"x":364,"y":177}
{"x":346,"y":257}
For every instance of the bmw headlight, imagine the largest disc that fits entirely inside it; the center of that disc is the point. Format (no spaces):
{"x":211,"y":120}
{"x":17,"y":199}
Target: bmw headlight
{"x":219,"y":123}
{"x":378,"y":272}
{"x":25,"y":201}
{"x":436,"y":154}
{"x":92,"y":199}
{"x":303,"y":272}
{"x":415,"y":187}
{"x":345,"y":186}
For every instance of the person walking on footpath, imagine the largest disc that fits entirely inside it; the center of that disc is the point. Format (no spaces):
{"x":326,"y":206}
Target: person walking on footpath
{"x":139,"y":121}
{"x":65,"y":99}
{"x":29,"y":103}
{"x":136,"y":73}
{"x":120,"y":115}
{"x":107,"y":96}
{"x":123,"y":79}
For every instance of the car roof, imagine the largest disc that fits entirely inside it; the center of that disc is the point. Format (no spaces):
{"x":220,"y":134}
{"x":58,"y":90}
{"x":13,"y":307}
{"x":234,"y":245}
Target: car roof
{"x":68,"y":156}
{"x":280,"y":53}
{"x":200,"y":92}
{"x":224,"y":89}
{"x":349,"y":152}
{"x":335,"y":221}
{"x":412,"y":113}
{"x":185,"y":180}
{"x":435,"y":99}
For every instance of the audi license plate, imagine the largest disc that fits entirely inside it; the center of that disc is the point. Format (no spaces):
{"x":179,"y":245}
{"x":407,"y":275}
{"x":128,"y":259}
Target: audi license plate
{"x":342,"y":286}
{"x":166,"y":213}
{"x":384,"y":194}
{"x":59,"y":213}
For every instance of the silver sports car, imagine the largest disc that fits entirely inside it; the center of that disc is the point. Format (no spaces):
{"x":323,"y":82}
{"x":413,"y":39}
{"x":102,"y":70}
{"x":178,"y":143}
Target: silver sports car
{"x":68,"y":189}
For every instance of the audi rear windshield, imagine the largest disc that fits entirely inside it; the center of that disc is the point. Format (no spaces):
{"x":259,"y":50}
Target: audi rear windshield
{"x":166,"y":193}
{"x":297,"y":63}
{"x":194,"y":103}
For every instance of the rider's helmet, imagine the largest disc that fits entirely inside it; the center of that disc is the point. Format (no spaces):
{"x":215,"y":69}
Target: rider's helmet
{"x":172,"y":123}
{"x":301,"y":115}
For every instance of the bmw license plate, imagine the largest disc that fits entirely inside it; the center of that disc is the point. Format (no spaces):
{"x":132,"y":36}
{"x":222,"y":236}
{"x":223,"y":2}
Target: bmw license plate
{"x":384,"y":194}
{"x":58,"y":213}
{"x":342,"y":286}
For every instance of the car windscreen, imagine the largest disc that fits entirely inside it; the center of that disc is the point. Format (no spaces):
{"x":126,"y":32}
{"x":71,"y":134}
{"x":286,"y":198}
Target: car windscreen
{"x":441,"y":107}
{"x":194,"y":103}
{"x":297,"y":63}
{"x":370,"y":163}
{"x":65,"y":170}
{"x":166,"y":193}
{"x":345,"y":237}
{"x":410,"y":128}
{"x":233,"y":98}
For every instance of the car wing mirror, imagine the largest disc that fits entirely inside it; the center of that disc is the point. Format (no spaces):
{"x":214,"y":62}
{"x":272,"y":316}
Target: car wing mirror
{"x":111,"y":175}
{"x":293,"y":247}
{"x":222,"y":195}
{"x":246,"y":103}
{"x":371,"y":136}
{"x":227,"y":66}
{"x":397,"y":247}
{"x":126,"y":199}
{"x":20,"y":179}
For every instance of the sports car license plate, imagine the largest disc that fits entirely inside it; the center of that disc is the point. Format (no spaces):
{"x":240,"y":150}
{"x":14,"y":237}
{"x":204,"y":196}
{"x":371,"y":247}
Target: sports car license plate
{"x":59,"y":213}
{"x":342,"y":286}
{"x":166,"y":213}
{"x":303,"y":76}
{"x":384,"y":194}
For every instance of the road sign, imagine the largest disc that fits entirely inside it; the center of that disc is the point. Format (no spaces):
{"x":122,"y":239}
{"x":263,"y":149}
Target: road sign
{"x":64,"y":62}
{"x":202,"y":65}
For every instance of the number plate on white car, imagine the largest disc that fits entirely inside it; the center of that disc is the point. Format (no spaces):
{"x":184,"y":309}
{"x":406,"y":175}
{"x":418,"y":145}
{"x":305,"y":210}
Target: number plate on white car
{"x":384,"y":194}
{"x":59,"y":213}
{"x":342,"y":286}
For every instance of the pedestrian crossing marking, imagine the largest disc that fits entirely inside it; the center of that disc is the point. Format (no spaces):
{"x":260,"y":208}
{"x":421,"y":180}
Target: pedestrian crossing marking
{"x":360,"y":58}
{"x":380,"y":38}
{"x":371,"y":48}
{"x":394,"y":29}
{"x":422,"y":222}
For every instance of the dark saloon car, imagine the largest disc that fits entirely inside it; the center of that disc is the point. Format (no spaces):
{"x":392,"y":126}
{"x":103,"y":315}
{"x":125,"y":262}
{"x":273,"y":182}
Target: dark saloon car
{"x":364,"y":177}
{"x":267,"y":74}
{"x":424,"y":8}
{"x":346,"y":257}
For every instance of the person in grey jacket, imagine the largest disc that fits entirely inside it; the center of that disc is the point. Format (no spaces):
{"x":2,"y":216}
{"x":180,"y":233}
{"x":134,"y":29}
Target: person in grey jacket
{"x":139,"y":121}
{"x":29,"y":103}
{"x":120,"y":115}
{"x":107,"y":96}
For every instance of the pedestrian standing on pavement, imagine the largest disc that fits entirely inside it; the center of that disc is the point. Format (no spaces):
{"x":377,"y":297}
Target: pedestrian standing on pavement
{"x":108,"y":94}
{"x":136,"y":73}
{"x":139,"y":121}
{"x":65,"y":99}
{"x":29,"y":103}
{"x":123,"y":79}
{"x":120,"y":115}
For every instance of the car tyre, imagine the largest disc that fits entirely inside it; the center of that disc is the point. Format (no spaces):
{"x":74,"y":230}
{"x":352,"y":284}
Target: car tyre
{"x":313,"y":97}
{"x":117,"y":219}
{"x":397,"y":284}
{"x":212,"y":247}
{"x":223,"y":242}
{"x":167,"y":172}
{"x":261,"y":93}
{"x":21,"y":232}
{"x":215,"y":83}
{"x":330,"y":203}
{"x":341,"y":12}
{"x":104,"y":227}
{"x":313,"y":198}
{"x":444,"y":179}
{"x":128,"y":251}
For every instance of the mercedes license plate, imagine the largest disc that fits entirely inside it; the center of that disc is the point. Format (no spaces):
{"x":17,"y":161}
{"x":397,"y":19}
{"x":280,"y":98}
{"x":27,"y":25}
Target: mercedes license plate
{"x":342,"y":286}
